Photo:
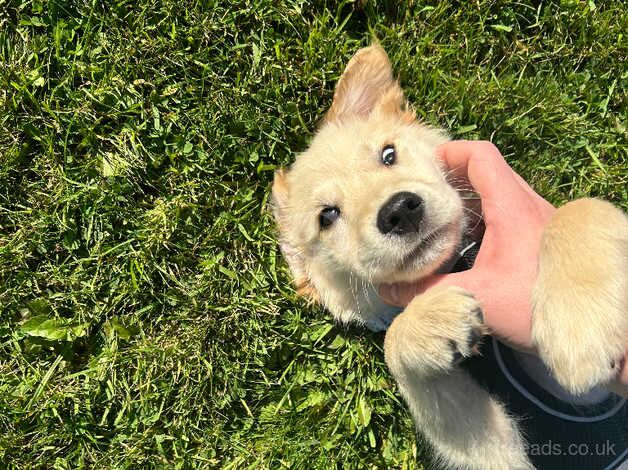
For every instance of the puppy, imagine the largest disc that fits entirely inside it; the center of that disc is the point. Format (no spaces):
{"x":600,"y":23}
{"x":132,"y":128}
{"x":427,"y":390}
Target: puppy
{"x":368,"y":203}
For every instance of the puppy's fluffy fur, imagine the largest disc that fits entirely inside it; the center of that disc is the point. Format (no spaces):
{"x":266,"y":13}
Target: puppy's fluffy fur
{"x":580,"y":300}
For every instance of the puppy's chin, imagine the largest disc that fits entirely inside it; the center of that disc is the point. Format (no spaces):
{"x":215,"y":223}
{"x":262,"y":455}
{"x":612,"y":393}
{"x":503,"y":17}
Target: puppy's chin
{"x":426,"y":262}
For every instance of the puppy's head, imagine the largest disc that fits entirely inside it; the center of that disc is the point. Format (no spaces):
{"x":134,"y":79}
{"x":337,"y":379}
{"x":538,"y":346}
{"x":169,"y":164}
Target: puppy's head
{"x":368,"y":201}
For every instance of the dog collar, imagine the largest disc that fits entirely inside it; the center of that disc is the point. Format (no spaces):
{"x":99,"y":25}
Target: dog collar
{"x":463,"y":258}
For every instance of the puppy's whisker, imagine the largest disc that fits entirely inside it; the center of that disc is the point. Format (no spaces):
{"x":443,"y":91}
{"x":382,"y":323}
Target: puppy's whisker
{"x":475,"y":213}
{"x":463,"y":186}
{"x":353,"y":290}
{"x":479,"y":218}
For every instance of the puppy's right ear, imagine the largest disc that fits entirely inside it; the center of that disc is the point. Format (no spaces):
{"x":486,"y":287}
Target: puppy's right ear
{"x":292,"y":254}
{"x":367,"y":83}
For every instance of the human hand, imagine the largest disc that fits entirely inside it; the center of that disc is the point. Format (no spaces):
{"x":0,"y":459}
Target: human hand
{"x":506,"y":266}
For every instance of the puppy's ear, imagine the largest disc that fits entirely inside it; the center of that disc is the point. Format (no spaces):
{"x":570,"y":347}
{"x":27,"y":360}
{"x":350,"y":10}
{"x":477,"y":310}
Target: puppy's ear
{"x":292,"y":254}
{"x":366,"y":84}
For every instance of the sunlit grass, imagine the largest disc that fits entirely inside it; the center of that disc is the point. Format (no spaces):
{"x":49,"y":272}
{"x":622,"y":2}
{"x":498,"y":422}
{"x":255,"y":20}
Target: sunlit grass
{"x":147,"y":319}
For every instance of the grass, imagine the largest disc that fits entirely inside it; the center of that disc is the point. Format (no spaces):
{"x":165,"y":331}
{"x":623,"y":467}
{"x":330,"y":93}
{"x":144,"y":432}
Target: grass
{"x":146,"y":317}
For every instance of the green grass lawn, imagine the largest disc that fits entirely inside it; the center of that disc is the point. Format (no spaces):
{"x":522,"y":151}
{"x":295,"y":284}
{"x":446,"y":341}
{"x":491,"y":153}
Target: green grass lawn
{"x":147,"y":319}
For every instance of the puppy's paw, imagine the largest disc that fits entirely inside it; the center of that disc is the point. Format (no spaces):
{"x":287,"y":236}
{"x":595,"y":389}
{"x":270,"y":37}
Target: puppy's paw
{"x":580,"y":299}
{"x":583,"y":361}
{"x":580,"y":354}
{"x":436,"y":331}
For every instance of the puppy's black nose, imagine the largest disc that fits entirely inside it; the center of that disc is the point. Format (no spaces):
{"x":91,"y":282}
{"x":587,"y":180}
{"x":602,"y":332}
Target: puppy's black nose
{"x":402,"y":213}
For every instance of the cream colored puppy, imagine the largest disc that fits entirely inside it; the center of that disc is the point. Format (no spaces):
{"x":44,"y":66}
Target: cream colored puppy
{"x":369,"y":203}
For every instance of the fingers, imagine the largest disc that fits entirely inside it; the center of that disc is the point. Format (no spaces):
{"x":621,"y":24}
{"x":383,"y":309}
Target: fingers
{"x":458,"y":155}
{"x":502,"y":191}
{"x":478,"y":161}
{"x":400,"y":294}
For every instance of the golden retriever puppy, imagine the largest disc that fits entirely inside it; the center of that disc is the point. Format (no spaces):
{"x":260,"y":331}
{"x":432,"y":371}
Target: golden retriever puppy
{"x":368,"y":203}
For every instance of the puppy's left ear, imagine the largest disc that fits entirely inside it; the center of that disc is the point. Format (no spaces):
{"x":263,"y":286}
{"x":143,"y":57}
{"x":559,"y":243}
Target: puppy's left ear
{"x":366,"y":84}
{"x":292,"y":254}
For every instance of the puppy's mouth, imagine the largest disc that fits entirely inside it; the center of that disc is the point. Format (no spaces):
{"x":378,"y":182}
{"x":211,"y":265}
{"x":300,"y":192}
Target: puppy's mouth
{"x":423,"y":248}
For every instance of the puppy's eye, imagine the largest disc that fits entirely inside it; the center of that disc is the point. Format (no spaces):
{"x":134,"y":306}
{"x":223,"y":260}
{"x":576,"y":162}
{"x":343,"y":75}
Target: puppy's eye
{"x":328,"y":216}
{"x":389,"y":156}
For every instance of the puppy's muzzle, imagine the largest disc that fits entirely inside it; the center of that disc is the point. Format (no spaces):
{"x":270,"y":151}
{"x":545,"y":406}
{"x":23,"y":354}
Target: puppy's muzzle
{"x":401,"y":214}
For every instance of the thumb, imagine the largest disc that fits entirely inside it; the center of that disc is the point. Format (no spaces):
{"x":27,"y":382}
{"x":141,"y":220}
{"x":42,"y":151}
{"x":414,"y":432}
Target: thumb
{"x":401,"y":293}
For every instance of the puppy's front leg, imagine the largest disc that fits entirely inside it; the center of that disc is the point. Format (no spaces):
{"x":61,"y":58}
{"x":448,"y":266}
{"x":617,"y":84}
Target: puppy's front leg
{"x":580,"y":299}
{"x":466,"y":426}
